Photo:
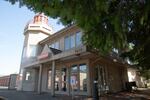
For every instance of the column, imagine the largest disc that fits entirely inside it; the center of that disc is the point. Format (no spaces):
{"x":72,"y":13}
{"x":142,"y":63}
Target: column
{"x":23,"y":79}
{"x":89,"y":85}
{"x":53,"y":79}
{"x":68,"y":78}
{"x":40,"y":79}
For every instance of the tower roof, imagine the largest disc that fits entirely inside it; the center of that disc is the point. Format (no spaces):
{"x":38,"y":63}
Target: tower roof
{"x":39,"y":23}
{"x":40,"y":18}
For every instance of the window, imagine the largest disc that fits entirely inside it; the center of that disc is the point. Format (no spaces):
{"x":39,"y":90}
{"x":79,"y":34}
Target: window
{"x":67,"y":43}
{"x":78,"y":38}
{"x":83,"y":77}
{"x":32,"y":50}
{"x":28,"y":76}
{"x":52,"y":45}
{"x":55,"y":45}
{"x":72,"y":41}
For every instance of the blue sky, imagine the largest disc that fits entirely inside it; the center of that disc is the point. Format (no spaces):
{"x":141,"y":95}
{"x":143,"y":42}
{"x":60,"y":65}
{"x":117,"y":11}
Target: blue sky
{"x":12,"y":22}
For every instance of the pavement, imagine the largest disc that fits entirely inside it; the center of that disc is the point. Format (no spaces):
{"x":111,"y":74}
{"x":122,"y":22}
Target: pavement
{"x":140,"y":94}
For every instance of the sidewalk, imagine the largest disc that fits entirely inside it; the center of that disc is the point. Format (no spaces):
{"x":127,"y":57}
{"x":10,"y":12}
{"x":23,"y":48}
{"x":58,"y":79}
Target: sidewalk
{"x":141,"y":94}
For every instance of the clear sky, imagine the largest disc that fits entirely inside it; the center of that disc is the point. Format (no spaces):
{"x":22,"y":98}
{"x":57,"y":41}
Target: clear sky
{"x":12,"y":22}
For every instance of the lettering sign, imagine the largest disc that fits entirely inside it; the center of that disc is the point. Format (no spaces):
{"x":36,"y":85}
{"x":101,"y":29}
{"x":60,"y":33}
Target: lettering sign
{"x":43,"y":56}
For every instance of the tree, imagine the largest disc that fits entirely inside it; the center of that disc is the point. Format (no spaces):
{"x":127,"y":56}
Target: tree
{"x":107,"y":24}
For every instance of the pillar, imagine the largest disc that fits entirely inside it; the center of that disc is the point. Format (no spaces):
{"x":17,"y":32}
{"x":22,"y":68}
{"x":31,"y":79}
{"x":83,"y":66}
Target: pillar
{"x":21,"y":86}
{"x":40,"y":79}
{"x":53,"y":79}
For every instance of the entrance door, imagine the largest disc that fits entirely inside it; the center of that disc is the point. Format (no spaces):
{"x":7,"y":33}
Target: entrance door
{"x":61,"y":80}
{"x":64,"y":79}
{"x":100,"y":75}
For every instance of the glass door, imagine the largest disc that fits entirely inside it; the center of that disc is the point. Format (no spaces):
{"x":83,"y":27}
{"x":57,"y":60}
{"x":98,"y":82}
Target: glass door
{"x":57,"y":80}
{"x":64,"y":79}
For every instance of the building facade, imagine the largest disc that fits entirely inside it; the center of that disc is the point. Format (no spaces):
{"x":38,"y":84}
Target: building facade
{"x":4,"y":81}
{"x":59,"y":63}
{"x":9,"y":81}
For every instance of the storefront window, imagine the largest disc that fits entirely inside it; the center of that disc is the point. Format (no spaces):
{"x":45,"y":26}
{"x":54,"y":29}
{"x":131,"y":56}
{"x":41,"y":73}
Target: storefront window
{"x":74,"y":74}
{"x":83,"y":77}
{"x":64,"y":79}
{"x":79,"y":74}
{"x":49,"y":79}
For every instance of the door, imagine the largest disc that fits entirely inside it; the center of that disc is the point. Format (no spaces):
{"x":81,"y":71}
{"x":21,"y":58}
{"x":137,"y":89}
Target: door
{"x":61,"y":80}
{"x":64,"y":80}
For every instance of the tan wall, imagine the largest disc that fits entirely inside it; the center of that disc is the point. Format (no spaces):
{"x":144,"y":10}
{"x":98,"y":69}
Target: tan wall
{"x":116,"y":75}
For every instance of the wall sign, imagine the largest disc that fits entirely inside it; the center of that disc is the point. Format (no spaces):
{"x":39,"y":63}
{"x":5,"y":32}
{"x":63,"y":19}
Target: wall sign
{"x":43,"y":56}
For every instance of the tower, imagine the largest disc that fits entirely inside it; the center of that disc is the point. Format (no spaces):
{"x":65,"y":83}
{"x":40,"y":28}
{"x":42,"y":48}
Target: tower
{"x":35,"y":31}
